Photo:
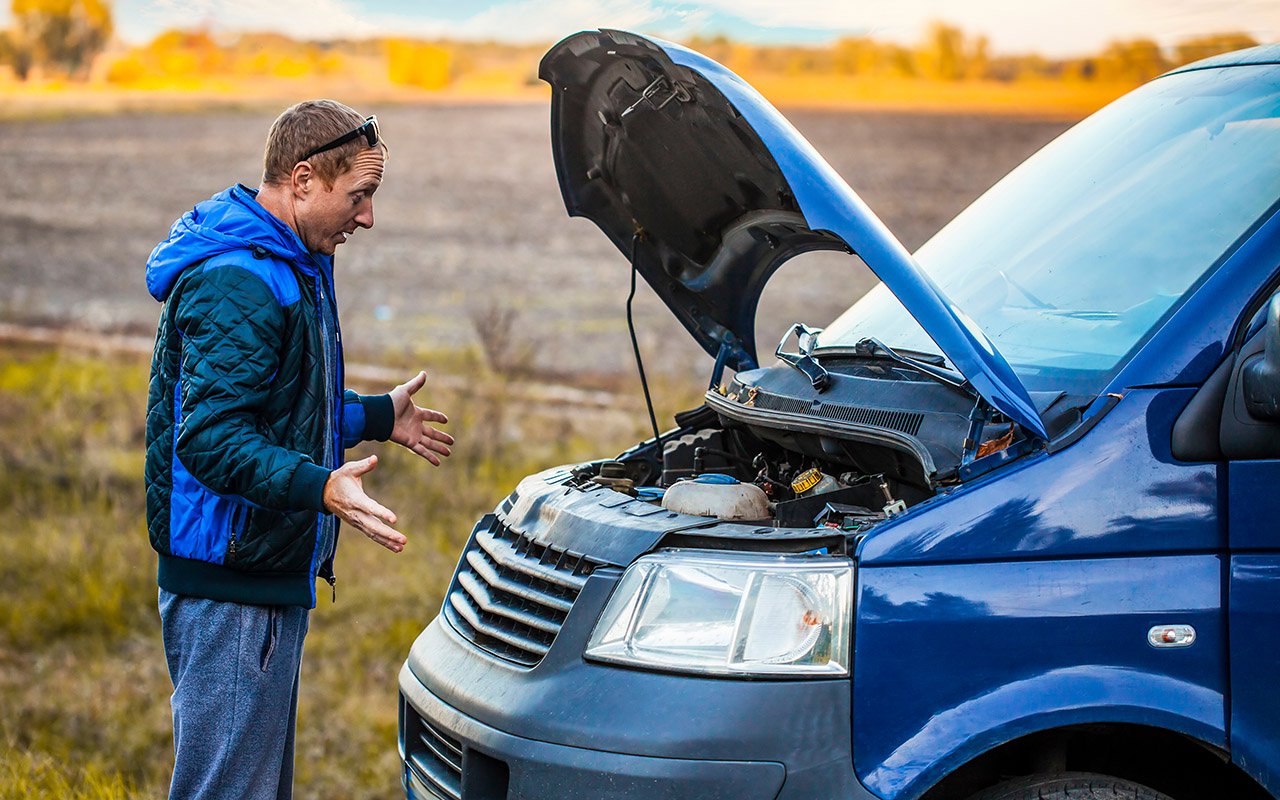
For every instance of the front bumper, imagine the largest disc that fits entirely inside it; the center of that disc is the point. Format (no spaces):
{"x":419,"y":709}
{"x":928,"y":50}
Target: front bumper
{"x":491,"y":765}
{"x":476,"y":726}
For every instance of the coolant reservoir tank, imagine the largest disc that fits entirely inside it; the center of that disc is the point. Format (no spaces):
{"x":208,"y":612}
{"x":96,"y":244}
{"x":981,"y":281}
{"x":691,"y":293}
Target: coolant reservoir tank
{"x":715,"y":495}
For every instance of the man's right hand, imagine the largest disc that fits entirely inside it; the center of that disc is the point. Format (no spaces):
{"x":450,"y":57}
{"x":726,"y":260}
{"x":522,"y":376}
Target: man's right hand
{"x":345,"y":498}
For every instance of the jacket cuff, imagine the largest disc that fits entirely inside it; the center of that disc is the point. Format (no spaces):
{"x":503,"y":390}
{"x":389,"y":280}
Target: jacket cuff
{"x":306,"y":488}
{"x":379,"y":416}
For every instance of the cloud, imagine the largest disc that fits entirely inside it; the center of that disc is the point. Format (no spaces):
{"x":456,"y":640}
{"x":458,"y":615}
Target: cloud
{"x":537,"y":20}
{"x":1053,"y":27}
{"x":303,"y":19}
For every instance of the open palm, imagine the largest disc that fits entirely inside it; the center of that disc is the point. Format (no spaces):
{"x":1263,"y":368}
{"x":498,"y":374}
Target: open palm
{"x":413,"y":428}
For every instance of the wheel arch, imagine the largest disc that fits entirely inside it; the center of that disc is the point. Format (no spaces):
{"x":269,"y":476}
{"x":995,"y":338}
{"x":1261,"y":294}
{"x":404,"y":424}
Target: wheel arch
{"x":1175,"y":763}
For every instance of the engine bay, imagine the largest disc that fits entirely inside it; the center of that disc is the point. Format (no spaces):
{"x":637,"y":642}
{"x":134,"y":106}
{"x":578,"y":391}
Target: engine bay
{"x":793,"y":490}
{"x":768,"y":450}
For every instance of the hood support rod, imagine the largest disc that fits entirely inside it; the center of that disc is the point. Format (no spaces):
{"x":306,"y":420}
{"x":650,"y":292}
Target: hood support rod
{"x":635,"y":345}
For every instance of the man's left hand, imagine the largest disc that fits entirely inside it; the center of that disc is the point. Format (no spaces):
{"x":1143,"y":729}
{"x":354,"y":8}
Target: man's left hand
{"x":413,"y":427}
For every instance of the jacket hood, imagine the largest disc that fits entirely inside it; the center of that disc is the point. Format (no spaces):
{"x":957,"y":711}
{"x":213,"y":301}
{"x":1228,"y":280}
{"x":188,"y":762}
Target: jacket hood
{"x":230,"y":220}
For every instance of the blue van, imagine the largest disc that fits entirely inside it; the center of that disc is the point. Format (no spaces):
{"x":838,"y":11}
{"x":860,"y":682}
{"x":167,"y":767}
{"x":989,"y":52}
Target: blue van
{"x":1007,"y":528}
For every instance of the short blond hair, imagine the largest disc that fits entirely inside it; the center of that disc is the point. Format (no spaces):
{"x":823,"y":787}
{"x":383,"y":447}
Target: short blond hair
{"x":305,"y":126}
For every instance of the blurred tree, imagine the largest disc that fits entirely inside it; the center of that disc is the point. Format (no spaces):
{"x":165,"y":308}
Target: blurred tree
{"x":941,"y":55}
{"x":1018,"y":68}
{"x":1199,"y":47}
{"x":861,"y":55}
{"x":1133,"y":61}
{"x":63,"y":36}
{"x":718,"y":48}
{"x":978,"y":61}
{"x":1080,"y":69}
{"x":16,"y":54}
{"x":172,"y":54}
{"x":412,"y":63}
{"x":853,"y":55}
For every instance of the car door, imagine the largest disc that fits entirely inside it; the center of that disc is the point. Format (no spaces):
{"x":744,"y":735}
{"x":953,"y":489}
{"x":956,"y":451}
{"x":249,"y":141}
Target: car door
{"x":1250,"y":438}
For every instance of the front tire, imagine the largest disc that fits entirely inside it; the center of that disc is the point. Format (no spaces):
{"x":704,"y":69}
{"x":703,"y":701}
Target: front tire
{"x":1069,"y":786}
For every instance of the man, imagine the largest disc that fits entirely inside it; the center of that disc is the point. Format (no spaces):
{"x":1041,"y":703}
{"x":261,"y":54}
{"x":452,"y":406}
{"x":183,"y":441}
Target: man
{"x":246,"y":423}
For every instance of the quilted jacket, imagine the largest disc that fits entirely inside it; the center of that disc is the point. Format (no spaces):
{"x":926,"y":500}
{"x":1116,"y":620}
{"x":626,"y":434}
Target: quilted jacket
{"x":246,"y":415}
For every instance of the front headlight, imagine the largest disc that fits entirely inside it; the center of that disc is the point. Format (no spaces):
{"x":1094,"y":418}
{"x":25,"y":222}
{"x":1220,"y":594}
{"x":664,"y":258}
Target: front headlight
{"x":730,"y":614}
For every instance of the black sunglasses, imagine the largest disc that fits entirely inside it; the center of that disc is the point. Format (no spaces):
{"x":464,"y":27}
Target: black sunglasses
{"x":368,"y":129}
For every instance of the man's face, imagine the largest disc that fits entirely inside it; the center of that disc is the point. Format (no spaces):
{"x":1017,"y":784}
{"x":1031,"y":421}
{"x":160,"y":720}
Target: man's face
{"x":326,"y":217}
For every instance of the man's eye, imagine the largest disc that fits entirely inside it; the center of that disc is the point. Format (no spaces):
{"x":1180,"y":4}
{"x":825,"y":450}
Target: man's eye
{"x":356,"y":198}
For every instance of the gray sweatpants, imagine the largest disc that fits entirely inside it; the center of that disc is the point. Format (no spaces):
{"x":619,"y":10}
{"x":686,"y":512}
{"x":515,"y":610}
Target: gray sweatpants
{"x":235,"y":696}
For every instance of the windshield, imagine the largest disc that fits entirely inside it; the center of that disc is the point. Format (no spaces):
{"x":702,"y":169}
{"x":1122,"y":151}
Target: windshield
{"x":1071,"y":261}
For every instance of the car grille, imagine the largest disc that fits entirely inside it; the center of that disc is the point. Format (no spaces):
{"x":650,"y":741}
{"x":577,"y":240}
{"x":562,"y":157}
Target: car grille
{"x":435,"y":761}
{"x":511,"y":593}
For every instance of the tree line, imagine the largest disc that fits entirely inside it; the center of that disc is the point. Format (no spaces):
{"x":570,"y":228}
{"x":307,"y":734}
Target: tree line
{"x":63,"y":38}
{"x":59,"y":37}
{"x":947,"y":53}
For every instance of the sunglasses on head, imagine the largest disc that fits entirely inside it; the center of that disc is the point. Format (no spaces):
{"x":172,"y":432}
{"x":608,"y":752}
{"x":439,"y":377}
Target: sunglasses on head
{"x":368,"y":129}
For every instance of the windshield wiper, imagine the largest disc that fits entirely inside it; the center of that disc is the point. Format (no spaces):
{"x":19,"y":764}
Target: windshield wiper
{"x":806,"y":341}
{"x":874,"y":348}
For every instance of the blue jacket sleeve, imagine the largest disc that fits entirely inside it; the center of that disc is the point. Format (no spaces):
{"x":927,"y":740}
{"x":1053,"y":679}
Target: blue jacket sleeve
{"x":366,"y":417}
{"x":232,"y":326}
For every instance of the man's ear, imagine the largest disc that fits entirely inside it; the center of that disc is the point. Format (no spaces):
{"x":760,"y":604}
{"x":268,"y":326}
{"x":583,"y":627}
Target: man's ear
{"x":302,"y":180}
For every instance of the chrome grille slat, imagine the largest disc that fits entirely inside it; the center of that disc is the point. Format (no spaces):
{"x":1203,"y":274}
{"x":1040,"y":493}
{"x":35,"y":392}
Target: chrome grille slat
{"x":459,"y":603}
{"x":434,"y":778}
{"x":449,"y":743}
{"x":489,"y":574}
{"x":434,"y":759}
{"x":485,"y":600}
{"x":507,"y":556}
{"x":512,"y":593}
{"x":435,"y":762}
{"x":441,"y":752}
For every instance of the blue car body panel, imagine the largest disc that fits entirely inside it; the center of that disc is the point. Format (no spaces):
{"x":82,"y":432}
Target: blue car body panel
{"x":1255,"y":654}
{"x":1081,"y":501}
{"x":1046,"y":644}
{"x":1013,"y":602}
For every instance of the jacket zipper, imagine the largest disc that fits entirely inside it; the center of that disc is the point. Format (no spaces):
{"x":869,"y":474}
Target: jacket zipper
{"x":238,"y":515}
{"x":331,"y":358}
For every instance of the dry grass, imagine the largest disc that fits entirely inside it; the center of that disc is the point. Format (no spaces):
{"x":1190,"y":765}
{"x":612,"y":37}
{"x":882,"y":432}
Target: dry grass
{"x":1031,"y":97}
{"x":83,"y":683}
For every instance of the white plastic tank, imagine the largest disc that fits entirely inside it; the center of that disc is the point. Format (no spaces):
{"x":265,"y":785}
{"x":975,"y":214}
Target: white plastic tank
{"x":715,"y":495}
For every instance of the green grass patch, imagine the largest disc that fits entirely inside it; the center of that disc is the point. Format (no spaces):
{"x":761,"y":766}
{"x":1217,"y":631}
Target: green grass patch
{"x":83,"y":681}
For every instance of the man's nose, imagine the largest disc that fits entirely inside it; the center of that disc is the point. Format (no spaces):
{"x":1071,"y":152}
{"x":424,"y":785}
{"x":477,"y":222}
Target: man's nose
{"x":365,"y":217}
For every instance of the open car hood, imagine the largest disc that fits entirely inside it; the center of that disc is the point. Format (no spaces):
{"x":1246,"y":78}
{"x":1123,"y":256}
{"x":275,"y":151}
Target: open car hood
{"x":708,"y":189}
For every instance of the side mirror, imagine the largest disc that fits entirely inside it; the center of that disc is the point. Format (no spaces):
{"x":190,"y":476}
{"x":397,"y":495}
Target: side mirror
{"x":1262,"y":375}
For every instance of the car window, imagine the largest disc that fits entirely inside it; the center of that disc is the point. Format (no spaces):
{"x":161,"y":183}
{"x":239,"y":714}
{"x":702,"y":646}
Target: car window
{"x":1072,"y":260}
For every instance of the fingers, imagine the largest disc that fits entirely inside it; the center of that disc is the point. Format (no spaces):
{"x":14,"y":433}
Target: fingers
{"x":424,"y":451}
{"x":437,"y":435}
{"x":379,"y":532}
{"x":415,"y":383}
{"x":375,"y":520}
{"x":438,"y":440}
{"x":433,"y":445}
{"x":362,"y":467}
{"x":377,"y":510}
{"x":431,"y":415}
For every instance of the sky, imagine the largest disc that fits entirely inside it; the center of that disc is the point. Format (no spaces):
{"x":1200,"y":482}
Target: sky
{"x":1051,"y":27}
